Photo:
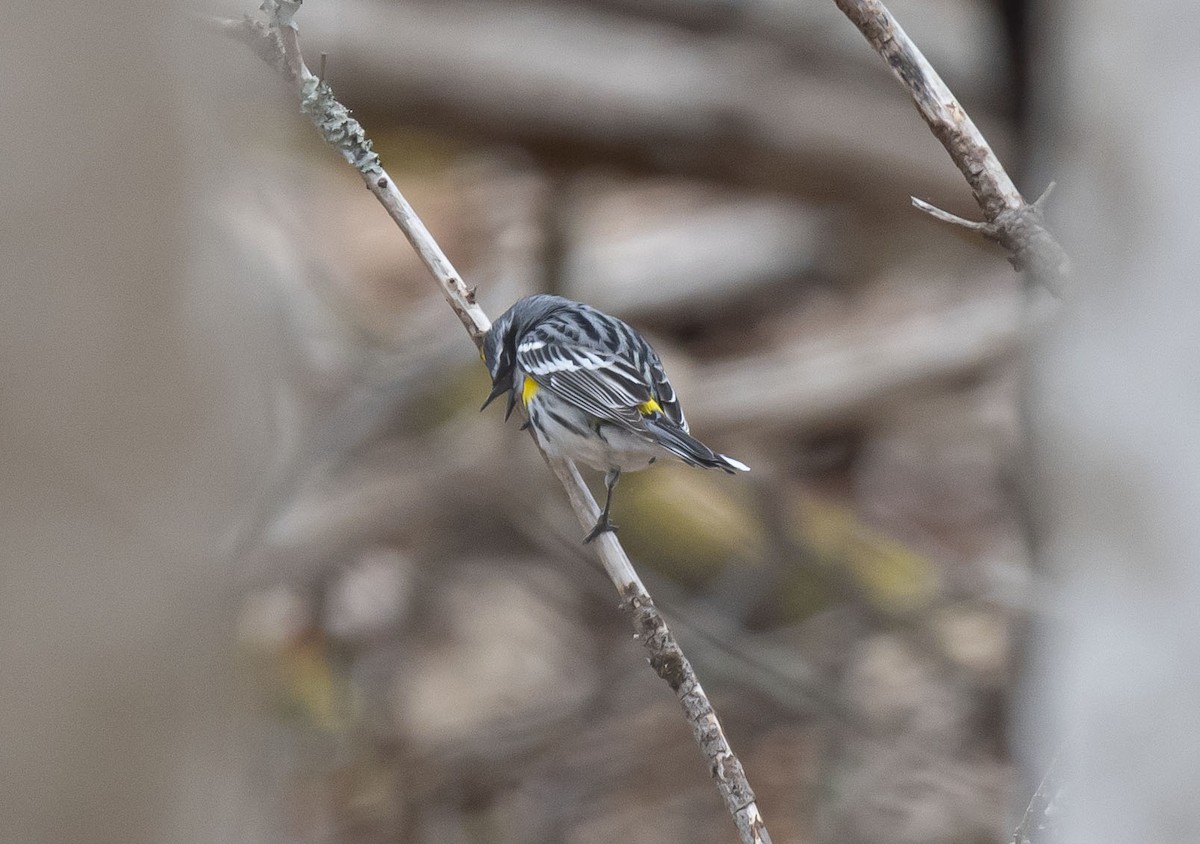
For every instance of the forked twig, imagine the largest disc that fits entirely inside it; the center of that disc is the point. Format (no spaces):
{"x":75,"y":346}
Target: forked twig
{"x":1009,"y":220}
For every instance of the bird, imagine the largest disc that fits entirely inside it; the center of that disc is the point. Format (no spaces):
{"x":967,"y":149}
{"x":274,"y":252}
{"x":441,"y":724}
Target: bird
{"x":593,"y":390}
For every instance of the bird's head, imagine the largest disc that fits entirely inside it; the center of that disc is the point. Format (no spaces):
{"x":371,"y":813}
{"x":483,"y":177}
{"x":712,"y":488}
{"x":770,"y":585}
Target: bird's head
{"x":500,"y":342}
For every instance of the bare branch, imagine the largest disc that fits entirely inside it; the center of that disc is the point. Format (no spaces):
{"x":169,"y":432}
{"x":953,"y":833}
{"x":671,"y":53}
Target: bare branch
{"x":1011,"y":221}
{"x":668,"y":661}
{"x":1038,"y":826}
{"x":947,"y":217}
{"x":278,"y":43}
{"x":1045,"y":197}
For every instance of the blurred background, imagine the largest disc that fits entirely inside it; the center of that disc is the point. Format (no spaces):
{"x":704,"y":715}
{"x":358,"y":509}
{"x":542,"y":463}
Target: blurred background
{"x":269,"y":575}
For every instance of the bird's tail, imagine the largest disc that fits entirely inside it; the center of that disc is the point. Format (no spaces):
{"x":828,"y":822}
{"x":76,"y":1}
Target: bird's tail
{"x":689,"y":449}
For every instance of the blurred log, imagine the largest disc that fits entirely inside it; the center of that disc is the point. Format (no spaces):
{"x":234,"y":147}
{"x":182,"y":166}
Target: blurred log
{"x":962,"y":38}
{"x":849,"y":369}
{"x":388,"y":491}
{"x":685,"y":246}
{"x":573,"y":85}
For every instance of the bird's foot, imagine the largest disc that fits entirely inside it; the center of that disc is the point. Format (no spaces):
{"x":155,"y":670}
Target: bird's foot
{"x":603,"y":525}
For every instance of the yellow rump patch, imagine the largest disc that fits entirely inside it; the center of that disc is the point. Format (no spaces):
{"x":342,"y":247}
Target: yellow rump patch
{"x":528,"y":389}
{"x":648,"y":407}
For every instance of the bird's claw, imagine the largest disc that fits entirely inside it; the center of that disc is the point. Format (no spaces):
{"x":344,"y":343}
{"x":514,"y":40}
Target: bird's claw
{"x":603,"y":525}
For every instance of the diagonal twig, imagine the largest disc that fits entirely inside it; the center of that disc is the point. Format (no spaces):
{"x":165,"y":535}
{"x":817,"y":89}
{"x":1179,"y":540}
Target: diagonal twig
{"x":1039,"y":824}
{"x":277,"y":42}
{"x":1009,"y":220}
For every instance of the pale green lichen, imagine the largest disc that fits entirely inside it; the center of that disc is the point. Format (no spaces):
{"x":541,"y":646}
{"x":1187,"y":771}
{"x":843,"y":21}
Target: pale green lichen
{"x":338,"y":127}
{"x":331,"y":118}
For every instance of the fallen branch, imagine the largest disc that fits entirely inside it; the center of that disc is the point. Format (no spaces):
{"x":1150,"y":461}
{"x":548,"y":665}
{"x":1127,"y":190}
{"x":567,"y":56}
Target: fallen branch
{"x":567,"y":83}
{"x":277,"y":42}
{"x":1009,"y":220}
{"x":847,"y":370}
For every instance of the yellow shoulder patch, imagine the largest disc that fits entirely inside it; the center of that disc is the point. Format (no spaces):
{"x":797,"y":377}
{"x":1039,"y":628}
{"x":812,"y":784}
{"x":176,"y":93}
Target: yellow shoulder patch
{"x":648,"y":407}
{"x":528,"y":390}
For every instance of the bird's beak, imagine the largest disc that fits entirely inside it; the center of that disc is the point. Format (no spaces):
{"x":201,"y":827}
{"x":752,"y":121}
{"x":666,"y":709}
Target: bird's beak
{"x":498,"y":389}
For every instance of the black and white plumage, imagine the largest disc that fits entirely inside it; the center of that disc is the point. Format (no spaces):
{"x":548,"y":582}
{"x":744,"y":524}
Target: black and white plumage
{"x":594,"y":389}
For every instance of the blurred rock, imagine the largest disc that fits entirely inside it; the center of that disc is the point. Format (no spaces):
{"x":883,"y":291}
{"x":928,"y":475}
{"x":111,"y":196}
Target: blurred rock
{"x":506,"y":651}
{"x":918,"y":778}
{"x":371,"y":596}
{"x":919,"y":798}
{"x":898,"y":690}
{"x":273,"y":618}
{"x":933,"y":473}
{"x":975,"y":638}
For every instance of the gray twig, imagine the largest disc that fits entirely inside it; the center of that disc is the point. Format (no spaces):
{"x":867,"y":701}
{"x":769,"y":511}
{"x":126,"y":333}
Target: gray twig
{"x":947,"y":217}
{"x":1038,"y":826}
{"x":277,"y":42}
{"x":1009,"y":220}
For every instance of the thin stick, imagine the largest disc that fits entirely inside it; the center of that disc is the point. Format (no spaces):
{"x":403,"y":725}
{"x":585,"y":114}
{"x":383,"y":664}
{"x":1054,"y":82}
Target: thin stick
{"x":277,"y":42}
{"x":1038,"y":826}
{"x":1010,"y":221}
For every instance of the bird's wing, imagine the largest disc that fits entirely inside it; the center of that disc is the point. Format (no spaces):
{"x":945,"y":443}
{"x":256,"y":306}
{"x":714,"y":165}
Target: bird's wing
{"x":664,"y":393}
{"x":603,"y":384}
